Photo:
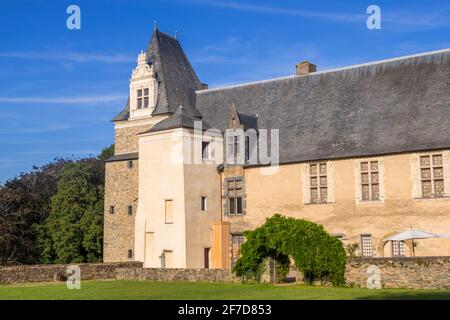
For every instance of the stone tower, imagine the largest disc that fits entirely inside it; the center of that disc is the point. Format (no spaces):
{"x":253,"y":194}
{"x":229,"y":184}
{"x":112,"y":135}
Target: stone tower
{"x":162,"y":81}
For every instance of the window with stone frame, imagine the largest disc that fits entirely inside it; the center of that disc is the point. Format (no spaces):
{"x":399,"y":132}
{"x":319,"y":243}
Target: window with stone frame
{"x":235,"y":196}
{"x":398,"y":248}
{"x":370,"y":184}
{"x":366,"y":245}
{"x":236,"y":242}
{"x":318,"y":182}
{"x":432,"y":175}
{"x":142,"y":98}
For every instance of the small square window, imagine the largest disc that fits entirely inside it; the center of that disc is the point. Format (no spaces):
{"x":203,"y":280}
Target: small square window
{"x":205,"y":150}
{"x":130,"y":164}
{"x":139,"y":93}
{"x":169,"y":211}
{"x":425,"y":161}
{"x":130,"y":254}
{"x":111,"y":209}
{"x":130,"y":210}
{"x":203,"y":203}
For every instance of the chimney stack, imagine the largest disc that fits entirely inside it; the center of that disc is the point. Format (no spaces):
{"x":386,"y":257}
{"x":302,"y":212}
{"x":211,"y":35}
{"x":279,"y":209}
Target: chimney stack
{"x":305,"y":67}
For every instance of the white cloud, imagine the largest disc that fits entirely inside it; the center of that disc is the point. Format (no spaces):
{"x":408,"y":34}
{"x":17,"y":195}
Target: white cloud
{"x":65,"y":56}
{"x":40,"y":129}
{"x":81,"y":100}
{"x":438,"y":18}
{"x":333,"y":16}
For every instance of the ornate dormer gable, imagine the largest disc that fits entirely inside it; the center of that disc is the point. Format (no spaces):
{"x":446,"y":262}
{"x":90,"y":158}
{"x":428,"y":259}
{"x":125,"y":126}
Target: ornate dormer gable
{"x":239,"y":120}
{"x":143,"y":89}
{"x":233,"y":118}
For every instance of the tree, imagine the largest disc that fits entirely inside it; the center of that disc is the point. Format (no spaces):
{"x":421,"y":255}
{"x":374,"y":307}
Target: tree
{"x":24,"y":205}
{"x":73,"y":231}
{"x":317,"y":254}
{"x":106,"y":153}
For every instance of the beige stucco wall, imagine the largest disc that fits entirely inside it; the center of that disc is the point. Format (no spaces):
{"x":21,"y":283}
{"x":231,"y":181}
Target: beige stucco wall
{"x":160,"y":179}
{"x":397,"y":211}
{"x":169,"y":173}
{"x":202,"y":179}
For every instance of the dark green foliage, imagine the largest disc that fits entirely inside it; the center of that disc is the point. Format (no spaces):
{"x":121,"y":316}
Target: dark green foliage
{"x":106,"y":153}
{"x":27,"y":232}
{"x":24,"y":205}
{"x":317,"y":254}
{"x":73,"y":230}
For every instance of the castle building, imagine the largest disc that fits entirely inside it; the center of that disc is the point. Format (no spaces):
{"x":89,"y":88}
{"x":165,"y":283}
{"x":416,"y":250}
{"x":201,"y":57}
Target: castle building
{"x":363,"y":150}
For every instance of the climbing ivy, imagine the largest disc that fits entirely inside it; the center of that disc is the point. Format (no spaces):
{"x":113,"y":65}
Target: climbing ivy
{"x":320,"y":256}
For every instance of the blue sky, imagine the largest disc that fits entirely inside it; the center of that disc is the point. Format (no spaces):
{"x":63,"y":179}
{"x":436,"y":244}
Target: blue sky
{"x":60,"y":88}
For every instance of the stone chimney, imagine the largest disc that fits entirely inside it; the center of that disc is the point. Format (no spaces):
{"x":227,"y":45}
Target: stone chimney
{"x":305,"y":67}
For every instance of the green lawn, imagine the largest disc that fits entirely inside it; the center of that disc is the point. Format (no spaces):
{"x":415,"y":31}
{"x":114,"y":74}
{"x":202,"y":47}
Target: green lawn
{"x":215,"y":291}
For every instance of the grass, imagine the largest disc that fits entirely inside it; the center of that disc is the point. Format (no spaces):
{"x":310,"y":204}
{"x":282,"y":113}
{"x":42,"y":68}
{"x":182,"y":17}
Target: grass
{"x":148,"y":290}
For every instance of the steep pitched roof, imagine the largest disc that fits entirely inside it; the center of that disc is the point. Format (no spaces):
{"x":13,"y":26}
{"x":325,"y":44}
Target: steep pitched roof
{"x":124,"y":114}
{"x":184,"y":117}
{"x":177,"y":79}
{"x":391,"y":106}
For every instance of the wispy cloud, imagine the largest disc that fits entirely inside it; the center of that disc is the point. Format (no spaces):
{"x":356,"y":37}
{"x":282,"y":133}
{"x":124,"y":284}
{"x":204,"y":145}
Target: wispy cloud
{"x":333,"y":16}
{"x":79,"y":100}
{"x":40,"y":129}
{"x":251,"y":63}
{"x":438,"y":18}
{"x":64,"y":56}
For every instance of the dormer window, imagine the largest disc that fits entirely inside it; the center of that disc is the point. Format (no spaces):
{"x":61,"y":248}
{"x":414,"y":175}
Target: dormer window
{"x":143,"y":89}
{"x":142,"y":98}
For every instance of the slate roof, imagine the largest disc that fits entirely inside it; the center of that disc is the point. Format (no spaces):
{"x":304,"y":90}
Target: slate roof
{"x":177,"y":79}
{"x":184,"y":117}
{"x":392,"y":106}
{"x":248,"y":121}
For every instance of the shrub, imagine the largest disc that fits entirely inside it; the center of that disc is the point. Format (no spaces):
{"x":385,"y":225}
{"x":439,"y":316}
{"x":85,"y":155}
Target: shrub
{"x":320,"y":256}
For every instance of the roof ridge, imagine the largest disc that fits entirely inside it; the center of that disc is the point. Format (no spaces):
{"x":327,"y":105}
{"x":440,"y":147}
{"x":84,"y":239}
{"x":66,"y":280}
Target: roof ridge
{"x":350,"y":67}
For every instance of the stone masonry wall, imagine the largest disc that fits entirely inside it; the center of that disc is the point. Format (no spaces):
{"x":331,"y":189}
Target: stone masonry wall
{"x":411,"y":272}
{"x":200,"y":275}
{"x":126,"y":139}
{"x":46,"y":273}
{"x":121,"y":191}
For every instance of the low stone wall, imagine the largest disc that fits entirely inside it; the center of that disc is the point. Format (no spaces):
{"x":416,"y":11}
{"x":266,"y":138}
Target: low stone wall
{"x":410,"y":272}
{"x":198,"y":275}
{"x":58,"y":272}
{"x":416,"y":273}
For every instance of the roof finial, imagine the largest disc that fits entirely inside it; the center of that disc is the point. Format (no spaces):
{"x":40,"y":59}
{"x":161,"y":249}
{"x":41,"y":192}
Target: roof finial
{"x":155,"y":25}
{"x":176,"y":34}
